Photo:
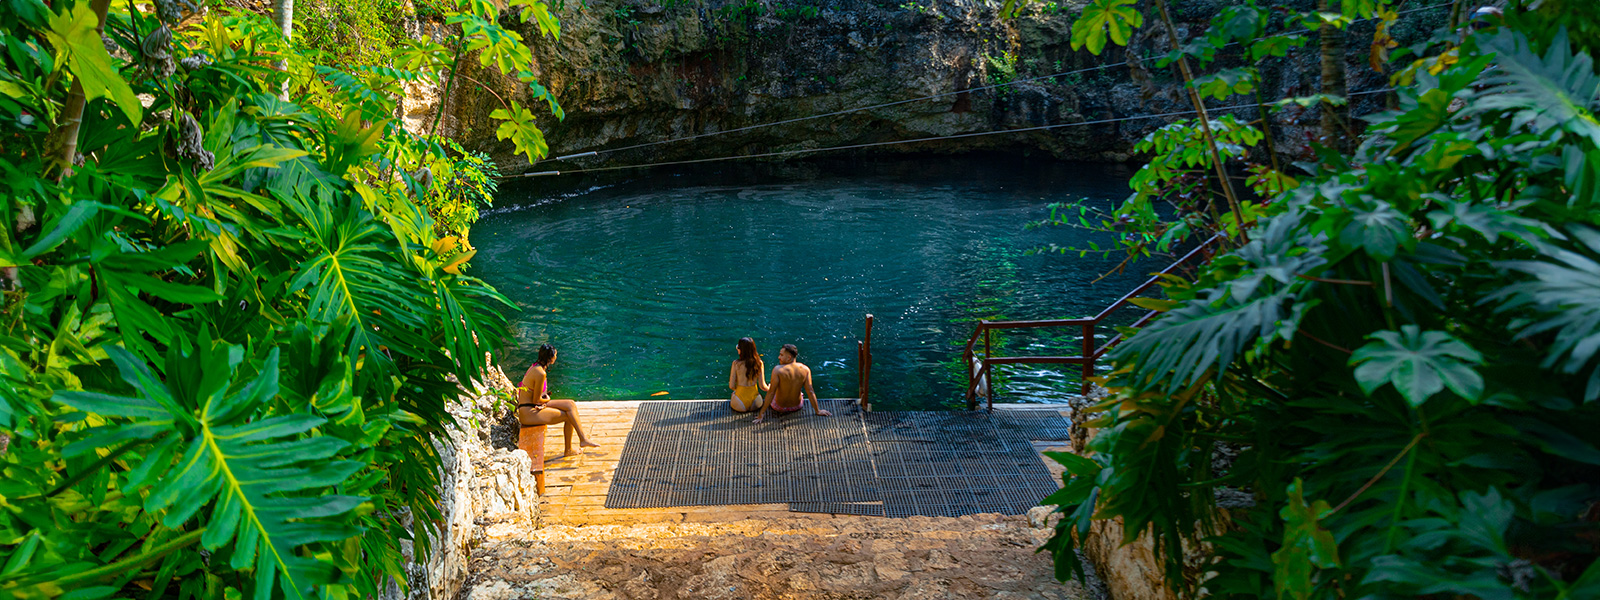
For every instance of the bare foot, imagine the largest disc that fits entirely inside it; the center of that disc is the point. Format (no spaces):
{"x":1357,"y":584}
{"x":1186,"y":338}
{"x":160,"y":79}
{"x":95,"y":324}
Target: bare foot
{"x":571,"y":452}
{"x":586,"y":444}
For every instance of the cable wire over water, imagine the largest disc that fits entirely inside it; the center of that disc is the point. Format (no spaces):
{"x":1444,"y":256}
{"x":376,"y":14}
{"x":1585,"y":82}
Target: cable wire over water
{"x":910,"y":141}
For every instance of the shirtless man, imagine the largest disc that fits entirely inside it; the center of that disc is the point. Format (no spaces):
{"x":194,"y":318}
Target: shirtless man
{"x":789,"y":380}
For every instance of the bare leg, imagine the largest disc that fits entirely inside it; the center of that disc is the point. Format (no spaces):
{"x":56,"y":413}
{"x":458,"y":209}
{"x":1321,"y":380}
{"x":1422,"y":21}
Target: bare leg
{"x":570,"y":410}
{"x":550,"y":416}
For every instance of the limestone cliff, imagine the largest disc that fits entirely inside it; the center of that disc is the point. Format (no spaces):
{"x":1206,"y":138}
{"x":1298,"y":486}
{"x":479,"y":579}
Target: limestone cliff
{"x":638,"y":71}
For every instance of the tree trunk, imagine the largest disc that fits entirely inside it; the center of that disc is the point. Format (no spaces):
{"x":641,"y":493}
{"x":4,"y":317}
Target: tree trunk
{"x":1335,"y":118}
{"x":1205,"y":127}
{"x":283,"y":16}
{"x":72,"y":111}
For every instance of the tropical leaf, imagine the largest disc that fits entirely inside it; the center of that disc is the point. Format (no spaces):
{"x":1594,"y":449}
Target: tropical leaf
{"x":1226,"y":83}
{"x":246,"y":470}
{"x":1565,"y":294}
{"x":76,"y":33}
{"x":349,"y":276}
{"x":1211,"y":331}
{"x":1558,"y":90}
{"x":1419,"y":364}
{"x":516,"y":124}
{"x":1105,"y":19}
{"x":540,"y":11}
{"x":1077,"y":501}
{"x":1306,"y":544}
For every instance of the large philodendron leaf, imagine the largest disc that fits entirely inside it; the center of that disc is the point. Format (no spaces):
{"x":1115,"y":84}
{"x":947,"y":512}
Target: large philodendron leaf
{"x":1261,"y":304}
{"x":1557,"y":90}
{"x":352,"y":274}
{"x":1565,"y":293}
{"x":268,"y":481}
{"x":1418,"y":363}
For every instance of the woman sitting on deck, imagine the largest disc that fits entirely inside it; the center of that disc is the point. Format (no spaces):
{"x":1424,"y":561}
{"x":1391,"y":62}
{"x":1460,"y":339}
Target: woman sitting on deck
{"x":747,"y":378}
{"x":532,"y":411}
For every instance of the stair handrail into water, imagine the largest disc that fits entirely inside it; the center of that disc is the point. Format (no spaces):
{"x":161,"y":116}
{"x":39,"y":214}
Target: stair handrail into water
{"x":979,"y":371}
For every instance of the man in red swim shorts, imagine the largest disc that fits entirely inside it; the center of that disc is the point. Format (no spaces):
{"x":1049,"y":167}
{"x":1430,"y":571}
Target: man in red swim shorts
{"x":789,"y":380}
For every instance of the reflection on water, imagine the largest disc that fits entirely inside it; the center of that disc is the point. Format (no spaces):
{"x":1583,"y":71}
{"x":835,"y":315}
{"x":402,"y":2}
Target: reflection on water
{"x":645,"y":285}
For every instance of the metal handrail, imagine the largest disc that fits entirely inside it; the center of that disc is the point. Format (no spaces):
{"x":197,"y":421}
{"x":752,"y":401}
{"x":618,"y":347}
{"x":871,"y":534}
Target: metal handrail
{"x":980,"y":373}
{"x":864,"y":371}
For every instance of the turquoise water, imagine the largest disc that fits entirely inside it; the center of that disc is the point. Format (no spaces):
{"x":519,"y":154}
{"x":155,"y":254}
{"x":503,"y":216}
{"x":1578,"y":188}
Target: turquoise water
{"x":645,"y":284}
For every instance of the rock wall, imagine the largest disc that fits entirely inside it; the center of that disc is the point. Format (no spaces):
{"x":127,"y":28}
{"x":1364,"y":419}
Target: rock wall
{"x":484,"y":486}
{"x":640,"y":71}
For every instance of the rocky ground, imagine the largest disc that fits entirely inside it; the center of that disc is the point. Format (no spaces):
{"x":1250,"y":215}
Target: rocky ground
{"x":979,"y":556}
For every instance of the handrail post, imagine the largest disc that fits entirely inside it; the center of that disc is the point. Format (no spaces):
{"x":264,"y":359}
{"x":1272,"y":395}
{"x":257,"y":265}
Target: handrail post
{"x":988,"y":395}
{"x":988,"y":372}
{"x":861,"y":369}
{"x":972,"y":372}
{"x":1088,"y":355}
{"x":866,"y":367}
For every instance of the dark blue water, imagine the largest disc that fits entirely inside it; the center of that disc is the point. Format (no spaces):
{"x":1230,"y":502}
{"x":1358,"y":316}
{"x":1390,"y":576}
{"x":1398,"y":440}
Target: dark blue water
{"x":645,"y":284}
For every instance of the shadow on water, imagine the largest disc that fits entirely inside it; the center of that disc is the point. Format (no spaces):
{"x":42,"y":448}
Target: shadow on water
{"x":645,"y":281}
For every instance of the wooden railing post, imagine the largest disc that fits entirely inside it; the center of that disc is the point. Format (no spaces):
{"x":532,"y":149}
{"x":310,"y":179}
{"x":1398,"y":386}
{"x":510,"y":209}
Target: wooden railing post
{"x":861,"y":370}
{"x":866,"y":367}
{"x":1088,"y":353}
{"x":987,"y":373}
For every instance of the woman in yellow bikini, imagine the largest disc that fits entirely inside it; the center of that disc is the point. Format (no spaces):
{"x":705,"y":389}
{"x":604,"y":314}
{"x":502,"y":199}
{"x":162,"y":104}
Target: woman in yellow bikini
{"x":747,"y":378}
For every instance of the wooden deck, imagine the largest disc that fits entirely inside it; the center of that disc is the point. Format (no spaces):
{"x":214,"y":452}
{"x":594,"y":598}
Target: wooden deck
{"x":576,"y":486}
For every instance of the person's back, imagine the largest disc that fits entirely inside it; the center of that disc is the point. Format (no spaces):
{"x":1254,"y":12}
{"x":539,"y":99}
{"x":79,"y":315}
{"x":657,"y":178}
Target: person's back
{"x":790,"y":381}
{"x":747,"y":378}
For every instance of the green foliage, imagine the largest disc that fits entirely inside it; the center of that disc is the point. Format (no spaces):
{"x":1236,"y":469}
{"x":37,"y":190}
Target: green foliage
{"x":1398,"y":357}
{"x":1003,"y":70}
{"x":1306,"y":545}
{"x":352,"y":32}
{"x":1564,"y":294}
{"x":470,"y":181}
{"x":73,"y":34}
{"x":1419,"y":364}
{"x":1105,"y":19}
{"x":230,"y":334}
{"x":377,"y":87}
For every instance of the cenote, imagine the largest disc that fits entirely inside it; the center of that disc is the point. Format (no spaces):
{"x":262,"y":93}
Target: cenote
{"x":645,"y":283}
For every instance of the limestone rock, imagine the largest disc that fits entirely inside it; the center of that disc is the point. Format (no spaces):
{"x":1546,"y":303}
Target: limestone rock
{"x":483,"y":491}
{"x":979,"y":556}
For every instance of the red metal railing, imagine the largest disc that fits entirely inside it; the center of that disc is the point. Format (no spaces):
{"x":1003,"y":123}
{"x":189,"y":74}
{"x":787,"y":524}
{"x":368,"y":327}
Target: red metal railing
{"x":979,"y":372}
{"x":864,"y":359}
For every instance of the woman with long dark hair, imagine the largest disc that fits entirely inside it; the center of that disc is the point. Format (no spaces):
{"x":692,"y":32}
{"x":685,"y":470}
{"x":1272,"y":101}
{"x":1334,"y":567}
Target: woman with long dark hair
{"x":747,"y":378}
{"x":536,"y":408}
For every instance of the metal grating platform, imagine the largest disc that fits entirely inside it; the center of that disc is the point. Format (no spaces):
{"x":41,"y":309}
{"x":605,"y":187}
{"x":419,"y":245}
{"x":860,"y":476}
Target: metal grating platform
{"x":838,"y":508}
{"x":878,"y":464}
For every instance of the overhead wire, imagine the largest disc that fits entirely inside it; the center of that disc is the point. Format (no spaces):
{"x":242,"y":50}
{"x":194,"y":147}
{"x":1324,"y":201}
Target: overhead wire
{"x":836,"y":113}
{"x":911,"y":141}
